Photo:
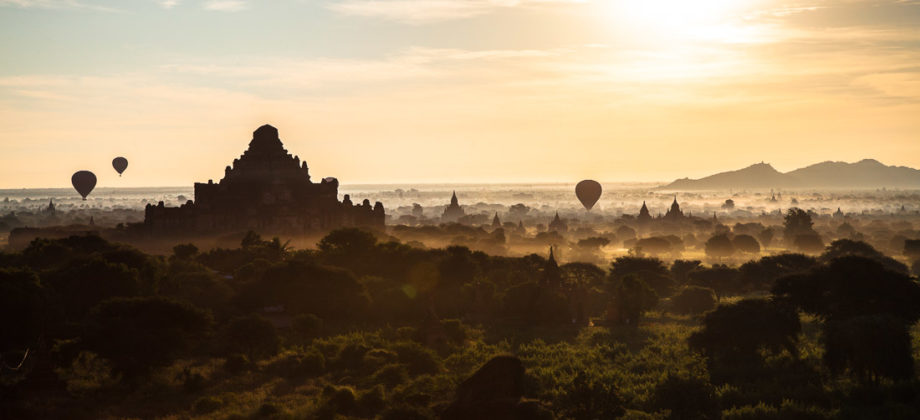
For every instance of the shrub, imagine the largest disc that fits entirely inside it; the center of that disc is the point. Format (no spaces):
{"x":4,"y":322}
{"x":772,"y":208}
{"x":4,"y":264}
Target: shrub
{"x":686,"y":398}
{"x":418,"y":359}
{"x":307,"y":326}
{"x":253,"y":335}
{"x":370,"y":402}
{"x":205,"y":405}
{"x":391,"y":375}
{"x":294,"y":365}
{"x":236,"y":364}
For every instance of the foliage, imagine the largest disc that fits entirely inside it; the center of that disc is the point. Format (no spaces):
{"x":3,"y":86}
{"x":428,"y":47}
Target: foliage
{"x":138,"y":334}
{"x":693,"y":300}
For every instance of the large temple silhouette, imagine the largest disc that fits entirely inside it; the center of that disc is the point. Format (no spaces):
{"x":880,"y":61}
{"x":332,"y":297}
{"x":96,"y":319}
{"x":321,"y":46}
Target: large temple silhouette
{"x":265,"y":190}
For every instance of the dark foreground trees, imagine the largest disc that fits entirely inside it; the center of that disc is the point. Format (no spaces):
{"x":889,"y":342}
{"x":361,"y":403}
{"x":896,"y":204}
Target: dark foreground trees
{"x":139,"y":334}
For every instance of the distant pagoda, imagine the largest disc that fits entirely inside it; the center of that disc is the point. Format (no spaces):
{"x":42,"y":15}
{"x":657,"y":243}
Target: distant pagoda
{"x":453,"y":212}
{"x":265,"y":190}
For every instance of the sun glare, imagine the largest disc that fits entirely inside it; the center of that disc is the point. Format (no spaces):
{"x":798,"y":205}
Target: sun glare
{"x":708,"y":19}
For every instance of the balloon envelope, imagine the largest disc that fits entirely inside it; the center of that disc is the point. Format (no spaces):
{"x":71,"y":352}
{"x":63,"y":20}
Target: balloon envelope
{"x":83,"y":182}
{"x":588,"y":192}
{"x":120,"y":164}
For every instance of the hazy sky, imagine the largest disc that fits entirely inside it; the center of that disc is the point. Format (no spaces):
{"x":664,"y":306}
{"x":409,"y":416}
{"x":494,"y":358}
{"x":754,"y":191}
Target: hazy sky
{"x":374,"y":91}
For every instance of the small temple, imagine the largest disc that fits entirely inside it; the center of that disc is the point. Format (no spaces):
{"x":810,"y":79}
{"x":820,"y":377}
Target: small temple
{"x":644,"y":216}
{"x":557,"y":225}
{"x":267,"y":190}
{"x":674,"y":213}
{"x":453,"y":212}
{"x":496,"y":222}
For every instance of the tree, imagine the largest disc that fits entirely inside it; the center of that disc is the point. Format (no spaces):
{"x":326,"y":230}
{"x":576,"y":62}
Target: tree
{"x":728,"y":204}
{"x":654,"y":245}
{"x":85,"y":282}
{"x":141,"y":333}
{"x":681,"y":269}
{"x":594,"y":242}
{"x":852,"y":286}
{"x":723,"y":280}
{"x":251,"y":335}
{"x":694,"y":300}
{"x":912,"y":249}
{"x":811,"y":243}
{"x":185,"y":251}
{"x":23,"y":310}
{"x":631,"y":298}
{"x":870,"y":347}
{"x":796,"y":222}
{"x":686,"y":398}
{"x":765,"y":237}
{"x":588,"y":398}
{"x":651,"y":271}
{"x":532,"y":303}
{"x":844,"y":247}
{"x":719,"y":246}
{"x":735,"y":334}
{"x":761,"y":274}
{"x":328,"y":292}
{"x":348,"y":247}
{"x":746,"y":244}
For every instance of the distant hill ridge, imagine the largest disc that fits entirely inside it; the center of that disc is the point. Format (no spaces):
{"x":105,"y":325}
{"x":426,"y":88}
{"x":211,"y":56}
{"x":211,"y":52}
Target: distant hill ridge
{"x":867,"y":173}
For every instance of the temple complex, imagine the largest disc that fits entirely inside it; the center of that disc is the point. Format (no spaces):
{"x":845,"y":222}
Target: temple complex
{"x":266,"y":190}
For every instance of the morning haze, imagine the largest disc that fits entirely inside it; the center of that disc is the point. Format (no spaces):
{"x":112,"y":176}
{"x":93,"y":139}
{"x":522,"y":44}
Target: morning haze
{"x":459,"y":209}
{"x":600,"y":89}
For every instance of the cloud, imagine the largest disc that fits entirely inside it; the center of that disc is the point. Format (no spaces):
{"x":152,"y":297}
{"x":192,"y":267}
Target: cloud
{"x":226,"y":5}
{"x":168,"y":4}
{"x":54,"y":4}
{"x":429,"y":11}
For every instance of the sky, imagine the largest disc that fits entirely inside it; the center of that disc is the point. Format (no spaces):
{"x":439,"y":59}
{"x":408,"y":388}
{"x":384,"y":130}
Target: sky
{"x":424,"y":91}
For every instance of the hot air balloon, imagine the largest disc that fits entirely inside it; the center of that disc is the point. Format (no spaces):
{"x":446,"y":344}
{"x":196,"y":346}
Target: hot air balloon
{"x":588,"y":192}
{"x":120,"y":164}
{"x":83,"y":182}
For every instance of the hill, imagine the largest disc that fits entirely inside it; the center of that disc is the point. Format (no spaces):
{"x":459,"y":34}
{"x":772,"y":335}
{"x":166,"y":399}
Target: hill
{"x":867,"y":173}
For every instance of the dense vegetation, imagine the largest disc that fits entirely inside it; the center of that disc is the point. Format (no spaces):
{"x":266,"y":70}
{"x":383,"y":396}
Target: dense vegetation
{"x":365,"y":327}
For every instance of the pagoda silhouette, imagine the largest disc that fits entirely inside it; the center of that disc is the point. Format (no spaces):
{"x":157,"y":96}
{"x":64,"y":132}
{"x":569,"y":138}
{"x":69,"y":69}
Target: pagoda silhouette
{"x":265,"y":190}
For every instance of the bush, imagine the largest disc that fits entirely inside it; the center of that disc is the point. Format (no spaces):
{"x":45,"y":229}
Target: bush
{"x":295,"y":365}
{"x":405,"y":413}
{"x":391,"y":375}
{"x":236,"y":364}
{"x":694,"y":300}
{"x":307,"y":326}
{"x":371,"y":402}
{"x":339,"y":400}
{"x":686,"y":398}
{"x":268,"y":410}
{"x":419,"y":360}
{"x":589,"y":398}
{"x":253,"y":335}
{"x":205,"y":405}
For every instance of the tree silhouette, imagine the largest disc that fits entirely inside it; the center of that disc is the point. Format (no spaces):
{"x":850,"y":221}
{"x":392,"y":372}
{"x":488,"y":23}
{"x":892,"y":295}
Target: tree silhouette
{"x":631,"y":297}
{"x":733,"y":335}
{"x":138,"y":334}
{"x":719,"y":246}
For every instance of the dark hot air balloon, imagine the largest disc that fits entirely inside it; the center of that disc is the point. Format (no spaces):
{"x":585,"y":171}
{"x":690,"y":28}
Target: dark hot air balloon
{"x":588,"y":192}
{"x":120,"y":164}
{"x":83,"y":182}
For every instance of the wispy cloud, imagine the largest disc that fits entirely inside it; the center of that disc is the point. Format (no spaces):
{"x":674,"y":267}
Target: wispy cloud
{"x":226,"y":5}
{"x":55,"y":4}
{"x":168,"y":4}
{"x":428,"y":11}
